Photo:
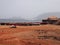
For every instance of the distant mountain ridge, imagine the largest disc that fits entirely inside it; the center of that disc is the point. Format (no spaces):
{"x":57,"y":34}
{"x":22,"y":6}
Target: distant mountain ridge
{"x":13,"y":20}
{"x":46,"y":15}
{"x":38,"y":18}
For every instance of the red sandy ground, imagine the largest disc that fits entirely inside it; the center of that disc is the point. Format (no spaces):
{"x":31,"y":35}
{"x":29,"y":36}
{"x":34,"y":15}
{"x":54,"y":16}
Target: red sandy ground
{"x":27,"y":35}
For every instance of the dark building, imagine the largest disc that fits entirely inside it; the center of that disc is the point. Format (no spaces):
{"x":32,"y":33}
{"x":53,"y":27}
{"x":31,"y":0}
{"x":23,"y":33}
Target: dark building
{"x":51,"y":20}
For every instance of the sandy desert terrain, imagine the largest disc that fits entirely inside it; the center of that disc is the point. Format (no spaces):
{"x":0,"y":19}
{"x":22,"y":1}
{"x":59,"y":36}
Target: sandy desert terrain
{"x":30,"y":35}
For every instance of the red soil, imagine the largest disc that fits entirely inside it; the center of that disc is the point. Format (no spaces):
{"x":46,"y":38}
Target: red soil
{"x":28,"y":35}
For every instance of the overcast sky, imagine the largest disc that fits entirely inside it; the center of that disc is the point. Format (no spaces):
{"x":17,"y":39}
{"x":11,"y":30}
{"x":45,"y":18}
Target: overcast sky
{"x":27,"y":9}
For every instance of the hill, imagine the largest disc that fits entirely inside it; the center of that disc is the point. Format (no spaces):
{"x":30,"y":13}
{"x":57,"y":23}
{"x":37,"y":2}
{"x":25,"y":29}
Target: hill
{"x":46,"y":15}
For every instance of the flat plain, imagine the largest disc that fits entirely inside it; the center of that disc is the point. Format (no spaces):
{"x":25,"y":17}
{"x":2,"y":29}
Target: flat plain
{"x":30,"y":35}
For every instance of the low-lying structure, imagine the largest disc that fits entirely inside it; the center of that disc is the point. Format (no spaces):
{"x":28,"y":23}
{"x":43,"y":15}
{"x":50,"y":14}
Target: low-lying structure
{"x":22,"y":24}
{"x":51,"y":20}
